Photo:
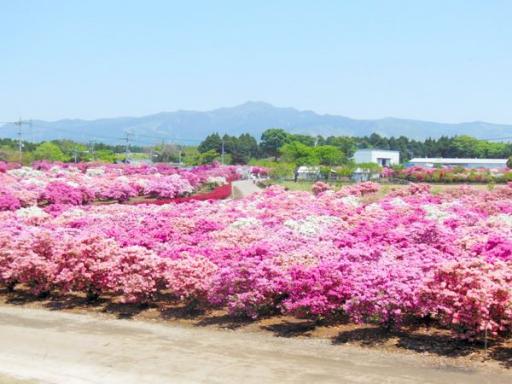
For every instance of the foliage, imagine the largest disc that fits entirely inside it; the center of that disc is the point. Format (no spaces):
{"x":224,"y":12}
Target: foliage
{"x":49,"y":151}
{"x":207,"y":157}
{"x":370,"y":167}
{"x":212,"y":142}
{"x":272,"y":140}
{"x":298,"y":153}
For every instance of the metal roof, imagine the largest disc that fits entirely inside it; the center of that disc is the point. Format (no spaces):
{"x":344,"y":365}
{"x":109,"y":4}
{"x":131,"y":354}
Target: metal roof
{"x":376,"y":149}
{"x":457,"y":161}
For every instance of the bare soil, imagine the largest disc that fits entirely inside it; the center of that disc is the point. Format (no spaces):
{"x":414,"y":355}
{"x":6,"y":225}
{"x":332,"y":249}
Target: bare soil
{"x":429,"y":341}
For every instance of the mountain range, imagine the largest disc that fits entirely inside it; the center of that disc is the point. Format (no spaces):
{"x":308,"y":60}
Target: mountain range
{"x":190,"y":127}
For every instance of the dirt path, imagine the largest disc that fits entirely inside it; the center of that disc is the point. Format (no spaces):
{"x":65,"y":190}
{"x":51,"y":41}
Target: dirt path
{"x":243,"y":188}
{"x":55,"y":347}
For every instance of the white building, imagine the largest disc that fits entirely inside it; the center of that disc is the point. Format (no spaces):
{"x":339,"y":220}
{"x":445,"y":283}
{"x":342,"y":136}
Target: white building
{"x":383,"y":157}
{"x":308,"y":173}
{"x":464,"y":163}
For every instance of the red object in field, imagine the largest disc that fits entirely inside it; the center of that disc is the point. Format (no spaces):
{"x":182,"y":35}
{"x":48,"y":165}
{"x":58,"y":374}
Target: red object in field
{"x":219,"y":193}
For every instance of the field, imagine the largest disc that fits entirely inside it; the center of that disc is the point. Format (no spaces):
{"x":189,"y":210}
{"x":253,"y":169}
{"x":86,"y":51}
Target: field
{"x":406,"y":267}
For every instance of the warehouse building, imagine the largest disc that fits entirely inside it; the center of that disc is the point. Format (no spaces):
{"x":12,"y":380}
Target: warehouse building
{"x":383,"y":157}
{"x":464,"y":163}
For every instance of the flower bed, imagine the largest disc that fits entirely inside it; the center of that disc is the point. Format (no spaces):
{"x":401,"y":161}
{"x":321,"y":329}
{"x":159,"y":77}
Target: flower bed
{"x":409,"y":255}
{"x":451,"y":174}
{"x":218,"y":193}
{"x":78,"y":184}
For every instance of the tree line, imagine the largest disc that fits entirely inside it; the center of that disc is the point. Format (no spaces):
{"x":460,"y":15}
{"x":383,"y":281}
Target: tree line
{"x":274,"y":144}
{"x":336,"y":150}
{"x":61,"y":150}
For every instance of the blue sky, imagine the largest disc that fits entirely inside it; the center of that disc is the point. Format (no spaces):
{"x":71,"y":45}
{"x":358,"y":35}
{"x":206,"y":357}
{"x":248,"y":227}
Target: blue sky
{"x":434,"y":60}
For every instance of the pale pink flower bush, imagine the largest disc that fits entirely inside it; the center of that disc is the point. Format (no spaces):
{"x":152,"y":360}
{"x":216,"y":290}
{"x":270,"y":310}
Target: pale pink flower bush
{"x":472,"y":295}
{"x":410,"y":254}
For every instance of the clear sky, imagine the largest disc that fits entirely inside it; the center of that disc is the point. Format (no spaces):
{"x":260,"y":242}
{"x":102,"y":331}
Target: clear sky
{"x":444,"y":60}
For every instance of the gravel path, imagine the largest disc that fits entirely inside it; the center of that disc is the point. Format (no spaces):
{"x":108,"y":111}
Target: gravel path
{"x":243,"y":188}
{"x":42,"y":346}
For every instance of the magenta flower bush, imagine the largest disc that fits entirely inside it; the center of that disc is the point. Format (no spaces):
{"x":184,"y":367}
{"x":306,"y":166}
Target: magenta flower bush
{"x":61,"y":193}
{"x":8,"y":202}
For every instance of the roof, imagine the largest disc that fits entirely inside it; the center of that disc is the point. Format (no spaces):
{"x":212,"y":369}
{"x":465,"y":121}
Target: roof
{"x":377,"y":149}
{"x":457,"y":161}
{"x":305,"y":169}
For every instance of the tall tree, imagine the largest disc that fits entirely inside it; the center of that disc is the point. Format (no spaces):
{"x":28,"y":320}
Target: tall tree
{"x":329,"y":155}
{"x":300,"y":154}
{"x":273,"y":139}
{"x":211,"y":142}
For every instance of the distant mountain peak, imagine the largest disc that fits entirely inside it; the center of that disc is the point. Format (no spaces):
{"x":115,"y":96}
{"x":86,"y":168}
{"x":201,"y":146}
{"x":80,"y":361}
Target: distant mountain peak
{"x":254,"y":117}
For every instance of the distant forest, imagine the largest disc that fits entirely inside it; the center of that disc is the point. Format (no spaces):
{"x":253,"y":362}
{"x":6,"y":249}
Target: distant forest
{"x":278,"y":143}
{"x":275,"y":144}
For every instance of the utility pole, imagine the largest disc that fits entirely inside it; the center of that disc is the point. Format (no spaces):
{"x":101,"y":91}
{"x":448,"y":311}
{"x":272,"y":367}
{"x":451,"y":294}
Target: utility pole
{"x":222,"y":152}
{"x":20,"y":123}
{"x":92,"y":150}
{"x":75,"y":154}
{"x":127,"y":148}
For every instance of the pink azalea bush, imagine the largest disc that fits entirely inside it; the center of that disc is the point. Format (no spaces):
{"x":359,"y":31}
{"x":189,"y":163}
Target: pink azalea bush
{"x":408,"y":255}
{"x":320,"y":187}
{"x":452,"y":174}
{"x":47,"y":183}
{"x":8,"y":202}
{"x":359,"y":189}
{"x":473,"y":295}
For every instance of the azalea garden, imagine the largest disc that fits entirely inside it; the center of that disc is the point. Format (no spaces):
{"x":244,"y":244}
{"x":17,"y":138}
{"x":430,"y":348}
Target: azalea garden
{"x":352,"y":253}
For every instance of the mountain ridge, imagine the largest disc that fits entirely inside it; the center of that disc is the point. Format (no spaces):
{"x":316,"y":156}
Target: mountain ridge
{"x":188,"y":126}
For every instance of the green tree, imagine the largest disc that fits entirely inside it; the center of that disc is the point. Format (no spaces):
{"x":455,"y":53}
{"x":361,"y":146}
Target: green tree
{"x":49,"y":151}
{"x":207,"y":157}
{"x":329,"y":155}
{"x":105,"y":155}
{"x":272,"y":140}
{"x":509,"y":162}
{"x":346,"y":144}
{"x":243,"y":149}
{"x":299,"y":154}
{"x":304,"y":139}
{"x":211,"y":142}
